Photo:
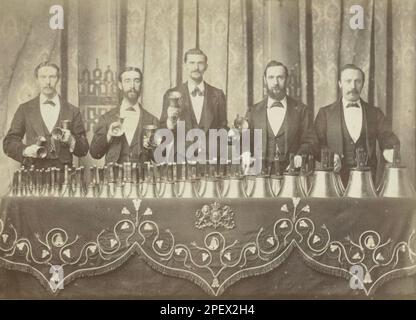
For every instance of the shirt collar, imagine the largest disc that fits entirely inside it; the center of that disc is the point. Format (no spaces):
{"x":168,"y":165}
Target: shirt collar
{"x":270,"y":101}
{"x":125,"y":105}
{"x":192,"y":87}
{"x":345,"y":103}
{"x":43,"y":99}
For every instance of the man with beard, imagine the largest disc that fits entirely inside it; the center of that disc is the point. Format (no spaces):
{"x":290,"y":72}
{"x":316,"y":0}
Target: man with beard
{"x":285,"y":123}
{"x":201,"y":105}
{"x":36,"y":120}
{"x":351,"y":122}
{"x":119,"y":134}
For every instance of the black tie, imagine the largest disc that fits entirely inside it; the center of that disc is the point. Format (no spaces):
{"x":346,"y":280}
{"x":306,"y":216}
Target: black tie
{"x":196,"y":92}
{"x":49,"y":102}
{"x":277,"y":104}
{"x":353,"y":105}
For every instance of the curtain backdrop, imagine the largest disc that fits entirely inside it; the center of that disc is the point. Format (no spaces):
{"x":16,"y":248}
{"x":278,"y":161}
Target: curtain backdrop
{"x":312,"y":37}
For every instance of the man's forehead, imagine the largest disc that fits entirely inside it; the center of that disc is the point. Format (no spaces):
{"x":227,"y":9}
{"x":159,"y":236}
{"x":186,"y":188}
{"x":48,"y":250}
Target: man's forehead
{"x":195,"y":57}
{"x":130,"y":75}
{"x":275,"y":70}
{"x":351,"y":73}
{"x":47,"y":70}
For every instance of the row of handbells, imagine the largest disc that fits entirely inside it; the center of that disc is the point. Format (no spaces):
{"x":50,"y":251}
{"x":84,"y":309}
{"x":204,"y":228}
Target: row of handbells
{"x":320,"y":183}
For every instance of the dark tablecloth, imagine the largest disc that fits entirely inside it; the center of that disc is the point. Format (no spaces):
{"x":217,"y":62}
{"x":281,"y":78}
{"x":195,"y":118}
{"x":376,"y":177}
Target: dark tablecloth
{"x":207,"y":248}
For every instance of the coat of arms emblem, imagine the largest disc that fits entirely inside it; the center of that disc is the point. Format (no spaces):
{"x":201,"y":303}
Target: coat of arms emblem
{"x":215,"y":215}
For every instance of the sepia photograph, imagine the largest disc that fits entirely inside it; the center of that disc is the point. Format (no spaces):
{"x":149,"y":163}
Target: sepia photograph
{"x":208,"y":150}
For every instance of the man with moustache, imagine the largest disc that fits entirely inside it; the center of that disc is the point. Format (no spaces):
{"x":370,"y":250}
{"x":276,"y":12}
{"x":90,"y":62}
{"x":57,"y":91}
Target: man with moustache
{"x":201,"y":105}
{"x":119,"y":134}
{"x":350,"y":122}
{"x":37,"y":118}
{"x":284,"y":122}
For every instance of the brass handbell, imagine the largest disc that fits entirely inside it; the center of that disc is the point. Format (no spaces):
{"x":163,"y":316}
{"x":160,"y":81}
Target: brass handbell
{"x":149,"y":188}
{"x":306,"y":174}
{"x":360,"y":182}
{"x":92,"y":183}
{"x":261,"y":186}
{"x":79,"y":188}
{"x":209,"y":183}
{"x":186,"y":185}
{"x":396,"y":183}
{"x":291,"y":186}
{"x":167,"y":184}
{"x":233,"y":184}
{"x":324,"y":180}
{"x":129,"y":189}
{"x":119,"y":187}
{"x":66,"y":186}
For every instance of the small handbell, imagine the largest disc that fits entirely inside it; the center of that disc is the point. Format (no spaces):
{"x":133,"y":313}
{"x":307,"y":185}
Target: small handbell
{"x":149,"y":188}
{"x":92,"y":183}
{"x":118,"y":190}
{"x":79,"y":189}
{"x":66,"y":186}
{"x":209,"y":183}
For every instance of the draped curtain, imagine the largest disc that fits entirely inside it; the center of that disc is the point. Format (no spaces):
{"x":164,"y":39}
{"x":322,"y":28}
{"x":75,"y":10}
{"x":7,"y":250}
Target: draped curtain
{"x":312,"y":37}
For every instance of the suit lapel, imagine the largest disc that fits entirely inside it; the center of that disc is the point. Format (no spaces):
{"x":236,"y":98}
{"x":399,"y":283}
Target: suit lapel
{"x":138,"y":131}
{"x":334,"y":128}
{"x":187,"y":113}
{"x":290,"y":123}
{"x":207,"y":115}
{"x":260,"y":121}
{"x":38,"y":124}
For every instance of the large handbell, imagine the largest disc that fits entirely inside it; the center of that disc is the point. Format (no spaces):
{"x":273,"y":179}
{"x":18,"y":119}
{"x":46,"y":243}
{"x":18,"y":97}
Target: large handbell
{"x":360,"y":182}
{"x":324,"y":180}
{"x":291,"y":185}
{"x":233,"y":183}
{"x":396,"y":183}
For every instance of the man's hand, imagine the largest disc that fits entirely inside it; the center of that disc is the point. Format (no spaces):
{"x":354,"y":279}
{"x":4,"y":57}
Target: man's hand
{"x":297,"y":161}
{"x":337,"y":162}
{"x":31,"y":151}
{"x":388,"y":155}
{"x":173,"y":116}
{"x":67,"y":137}
{"x":115,"y":130}
{"x":246,"y":162}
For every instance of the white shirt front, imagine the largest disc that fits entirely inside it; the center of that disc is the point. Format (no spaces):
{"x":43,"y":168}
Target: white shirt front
{"x":353,"y":119}
{"x":130,"y":119}
{"x":49,"y":112}
{"x":276,"y":115}
{"x":197,"y":101}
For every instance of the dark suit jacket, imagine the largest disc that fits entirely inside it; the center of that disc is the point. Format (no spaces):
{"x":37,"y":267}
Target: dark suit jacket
{"x":297,"y":127}
{"x":28,"y":121}
{"x":329,"y":130}
{"x":214,"y":111}
{"x":117,"y":150}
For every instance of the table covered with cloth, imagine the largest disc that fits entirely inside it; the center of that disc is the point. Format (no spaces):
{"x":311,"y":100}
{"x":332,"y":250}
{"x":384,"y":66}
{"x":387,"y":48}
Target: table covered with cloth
{"x":207,"y":248}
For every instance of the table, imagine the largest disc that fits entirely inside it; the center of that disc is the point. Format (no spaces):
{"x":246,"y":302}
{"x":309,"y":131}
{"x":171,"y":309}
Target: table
{"x":207,"y":248}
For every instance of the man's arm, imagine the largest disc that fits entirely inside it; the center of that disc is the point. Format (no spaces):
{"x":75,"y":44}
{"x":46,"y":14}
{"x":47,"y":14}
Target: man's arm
{"x":12,"y":144}
{"x":385,"y":136}
{"x":100,"y":144}
{"x":78,"y":131}
{"x":308,"y":137}
{"x":222,"y":111}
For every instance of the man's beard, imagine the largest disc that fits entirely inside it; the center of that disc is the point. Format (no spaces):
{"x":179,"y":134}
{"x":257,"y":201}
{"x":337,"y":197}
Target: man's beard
{"x":132,"y":98}
{"x":276,"y":93}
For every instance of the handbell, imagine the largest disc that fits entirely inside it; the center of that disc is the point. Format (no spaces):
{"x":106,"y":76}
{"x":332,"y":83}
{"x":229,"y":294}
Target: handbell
{"x":58,"y":132}
{"x":324,"y":185}
{"x":42,"y":151}
{"x":119,"y":187}
{"x":360,"y":182}
{"x":91,"y":185}
{"x":67,"y":185}
{"x":396,"y":183}
{"x":291,"y":184}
